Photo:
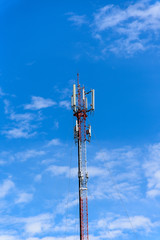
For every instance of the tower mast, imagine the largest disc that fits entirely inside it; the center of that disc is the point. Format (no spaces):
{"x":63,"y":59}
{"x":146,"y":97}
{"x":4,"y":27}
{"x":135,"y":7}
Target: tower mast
{"x":82,"y":133}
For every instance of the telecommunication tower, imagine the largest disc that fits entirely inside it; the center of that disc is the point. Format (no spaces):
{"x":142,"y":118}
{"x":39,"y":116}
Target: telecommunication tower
{"x":82,"y":134}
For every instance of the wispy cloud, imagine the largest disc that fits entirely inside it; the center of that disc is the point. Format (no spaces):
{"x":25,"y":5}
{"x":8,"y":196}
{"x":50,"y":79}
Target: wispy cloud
{"x":77,"y":20}
{"x":6,"y":157}
{"x":6,"y":187}
{"x":65,"y":92}
{"x":25,"y":117}
{"x":38,"y":178}
{"x":1,"y":92}
{"x":6,"y":106}
{"x":30,"y":63}
{"x":58,"y":170}
{"x":38,"y":103}
{"x":68,"y":202}
{"x":152,"y":170}
{"x":56,"y":124}
{"x":54,"y":142}
{"x":24,"y":198}
{"x":32,"y":153}
{"x":18,"y":132}
{"x":65,"y":104}
{"x":71,"y":223}
{"x":38,"y":224}
{"x":8,"y":237}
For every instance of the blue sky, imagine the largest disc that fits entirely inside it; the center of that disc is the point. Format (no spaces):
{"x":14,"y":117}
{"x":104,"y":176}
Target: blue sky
{"x":115,"y":48}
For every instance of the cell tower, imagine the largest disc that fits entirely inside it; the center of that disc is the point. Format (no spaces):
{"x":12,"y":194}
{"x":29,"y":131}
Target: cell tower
{"x":82,"y":133}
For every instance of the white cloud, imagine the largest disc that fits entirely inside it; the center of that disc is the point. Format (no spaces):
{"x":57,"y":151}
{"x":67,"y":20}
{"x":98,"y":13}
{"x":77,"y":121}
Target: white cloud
{"x":18,"y":133}
{"x":6,"y":187}
{"x":30,"y":63}
{"x":38,"y":178}
{"x":26,"y":117}
{"x":56,"y":124}
{"x":63,"y":171}
{"x":77,"y":20}
{"x":64,"y":92}
{"x":102,"y":155}
{"x":38,"y":224}
{"x":8,"y":237}
{"x":6,"y":106}
{"x":54,"y":142}
{"x":32,"y":153}
{"x":58,"y":170}
{"x":1,"y":92}
{"x":6,"y":157}
{"x":48,"y":161}
{"x":39,"y":103}
{"x":2,"y":162}
{"x":152,"y":170}
{"x":35,"y":227}
{"x":96,"y":171}
{"x":66,"y":225}
{"x":24,"y":198}
{"x":153,"y":193}
{"x":65,"y":104}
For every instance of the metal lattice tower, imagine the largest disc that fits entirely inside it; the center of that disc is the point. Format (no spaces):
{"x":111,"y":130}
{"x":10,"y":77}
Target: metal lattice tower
{"x":82,"y":133}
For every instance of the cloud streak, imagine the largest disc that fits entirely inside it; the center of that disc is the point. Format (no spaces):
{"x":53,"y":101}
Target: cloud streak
{"x":77,"y":20}
{"x":152,"y":171}
{"x":24,"y":198}
{"x":18,"y":132}
{"x":54,"y":142}
{"x":6,"y":187}
{"x":38,"y":103}
{"x":65,"y":104}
